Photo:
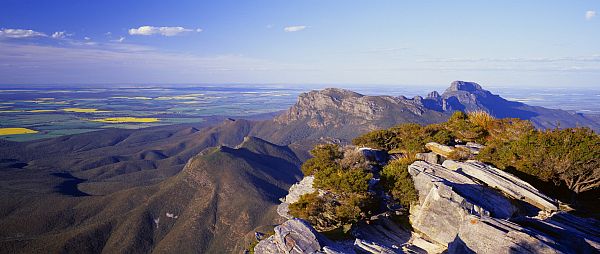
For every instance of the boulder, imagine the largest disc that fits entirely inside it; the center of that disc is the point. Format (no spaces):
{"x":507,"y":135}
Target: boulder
{"x":267,"y":246}
{"x":293,"y":236}
{"x":430,"y":157}
{"x":440,"y":149}
{"x":506,"y":182}
{"x":580,"y":235}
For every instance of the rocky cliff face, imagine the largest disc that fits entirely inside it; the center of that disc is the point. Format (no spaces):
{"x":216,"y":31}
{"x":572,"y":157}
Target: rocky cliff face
{"x":334,"y":108}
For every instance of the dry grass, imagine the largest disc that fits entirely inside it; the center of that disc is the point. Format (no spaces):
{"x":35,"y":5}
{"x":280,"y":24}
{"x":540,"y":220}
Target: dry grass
{"x":482,"y":119}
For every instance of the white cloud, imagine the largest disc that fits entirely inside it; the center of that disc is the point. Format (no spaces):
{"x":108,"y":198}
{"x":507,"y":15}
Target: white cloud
{"x":164,"y":30}
{"x":87,"y":38}
{"x":589,"y":15}
{"x":20,"y":33}
{"x":60,"y":35}
{"x":294,"y":28}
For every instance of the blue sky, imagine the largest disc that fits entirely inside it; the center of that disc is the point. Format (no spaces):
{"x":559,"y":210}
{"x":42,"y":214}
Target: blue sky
{"x":508,"y":43}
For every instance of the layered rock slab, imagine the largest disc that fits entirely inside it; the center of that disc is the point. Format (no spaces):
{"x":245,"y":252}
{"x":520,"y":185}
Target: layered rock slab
{"x":465,"y":223}
{"x":507,"y":183}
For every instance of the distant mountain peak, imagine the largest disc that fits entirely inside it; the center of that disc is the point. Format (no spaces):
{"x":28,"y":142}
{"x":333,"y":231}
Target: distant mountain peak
{"x":339,"y":93}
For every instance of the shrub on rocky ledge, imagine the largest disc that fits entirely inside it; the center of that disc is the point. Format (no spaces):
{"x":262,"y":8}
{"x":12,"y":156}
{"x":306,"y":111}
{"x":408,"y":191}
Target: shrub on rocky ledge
{"x":568,"y":156}
{"x":407,"y":138}
{"x":397,"y":181}
{"x":344,"y":177}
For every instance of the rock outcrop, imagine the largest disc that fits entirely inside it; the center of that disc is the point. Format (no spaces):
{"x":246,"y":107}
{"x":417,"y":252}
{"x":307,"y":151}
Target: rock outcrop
{"x":293,"y":236}
{"x":467,"y":217}
{"x":305,"y":186}
{"x":507,"y":183}
{"x":463,"y":207}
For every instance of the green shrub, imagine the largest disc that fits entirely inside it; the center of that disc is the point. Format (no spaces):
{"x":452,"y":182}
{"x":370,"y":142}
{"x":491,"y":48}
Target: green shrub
{"x":324,"y":156}
{"x":308,"y":207}
{"x":379,"y":139}
{"x":443,"y":137}
{"x":398,"y":182}
{"x":345,"y":175}
{"x":569,"y":156}
{"x":408,"y":138}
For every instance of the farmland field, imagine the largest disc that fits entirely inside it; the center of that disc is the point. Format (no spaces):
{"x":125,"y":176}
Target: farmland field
{"x":51,"y":111}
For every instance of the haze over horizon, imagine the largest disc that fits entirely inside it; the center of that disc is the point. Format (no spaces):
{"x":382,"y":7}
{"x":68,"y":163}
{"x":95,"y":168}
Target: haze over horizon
{"x":533,"y":43}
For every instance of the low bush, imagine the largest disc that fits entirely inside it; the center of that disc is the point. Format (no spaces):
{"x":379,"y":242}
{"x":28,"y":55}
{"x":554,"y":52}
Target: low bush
{"x":568,"y":156}
{"x":397,"y":181}
{"x":345,"y":176}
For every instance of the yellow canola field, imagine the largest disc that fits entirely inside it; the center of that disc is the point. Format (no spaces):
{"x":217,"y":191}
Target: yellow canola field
{"x":15,"y":131}
{"x":127,"y":120}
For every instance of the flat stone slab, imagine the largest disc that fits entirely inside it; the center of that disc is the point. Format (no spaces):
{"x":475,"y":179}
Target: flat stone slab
{"x":505,"y":182}
{"x":440,"y":149}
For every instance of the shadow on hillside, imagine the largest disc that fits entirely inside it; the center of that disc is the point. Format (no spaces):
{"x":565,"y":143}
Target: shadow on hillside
{"x":69,"y":185}
{"x":279,"y":169}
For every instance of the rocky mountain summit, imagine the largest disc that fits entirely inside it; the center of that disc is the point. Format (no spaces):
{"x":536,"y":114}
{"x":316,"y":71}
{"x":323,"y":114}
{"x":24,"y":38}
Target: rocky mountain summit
{"x":335,"y":108}
{"x":343,"y":109}
{"x":463,"y":207}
